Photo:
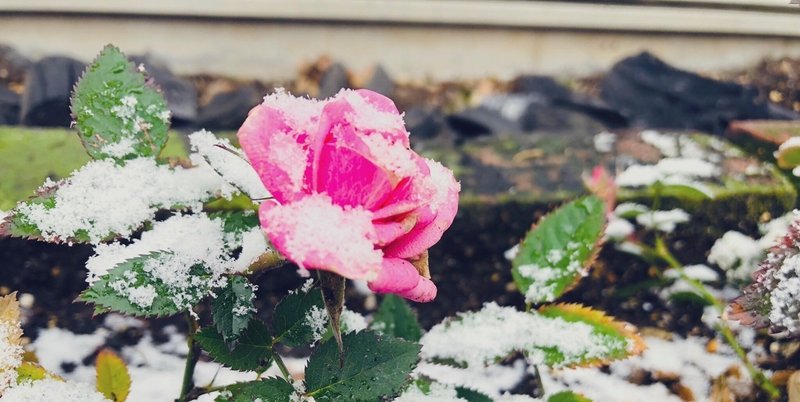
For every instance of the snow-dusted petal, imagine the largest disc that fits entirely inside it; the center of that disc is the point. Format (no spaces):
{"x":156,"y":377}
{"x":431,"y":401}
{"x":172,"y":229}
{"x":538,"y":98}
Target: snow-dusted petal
{"x":316,"y":233}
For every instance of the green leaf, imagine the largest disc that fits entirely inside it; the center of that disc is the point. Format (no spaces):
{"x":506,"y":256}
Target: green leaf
{"x":30,"y":371}
{"x":373,"y":367}
{"x":113,"y":379}
{"x":559,"y":336}
{"x":17,"y":224}
{"x":472,"y":395}
{"x":124,"y":287}
{"x":686,"y":192}
{"x":395,"y":317}
{"x":558,"y":250}
{"x":267,"y":390}
{"x":251,"y":353}
{"x":788,"y":154}
{"x":117,"y":113}
{"x":233,"y":308}
{"x":616,"y":340}
{"x":290,"y":323}
{"x":568,"y":396}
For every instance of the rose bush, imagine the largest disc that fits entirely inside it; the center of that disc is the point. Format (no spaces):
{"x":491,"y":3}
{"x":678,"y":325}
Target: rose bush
{"x":349,"y":195}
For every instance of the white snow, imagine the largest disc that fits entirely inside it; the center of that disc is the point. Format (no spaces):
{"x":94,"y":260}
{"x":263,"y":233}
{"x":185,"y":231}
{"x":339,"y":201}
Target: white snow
{"x":697,"y":272}
{"x":317,"y":319}
{"x":228,"y":161}
{"x":664,"y":221}
{"x":10,"y":354}
{"x":604,"y":141}
{"x":784,"y":306}
{"x":52,"y":390}
{"x":103,"y":198}
{"x":618,"y":228}
{"x":737,"y":254}
{"x":490,"y":380}
{"x":464,"y":339}
{"x":630,"y":208}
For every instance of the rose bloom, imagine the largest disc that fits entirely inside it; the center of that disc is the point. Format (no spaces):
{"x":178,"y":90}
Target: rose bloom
{"x":350,"y":196}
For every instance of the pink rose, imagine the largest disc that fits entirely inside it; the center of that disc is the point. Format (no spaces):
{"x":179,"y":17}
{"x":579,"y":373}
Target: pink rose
{"x":350,"y":196}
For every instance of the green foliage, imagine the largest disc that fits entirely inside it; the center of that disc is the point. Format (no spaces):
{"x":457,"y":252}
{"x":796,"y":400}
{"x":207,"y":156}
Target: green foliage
{"x":556,"y":252}
{"x":617,"y":340}
{"x":373,"y":367}
{"x":568,"y":396}
{"x":18,"y":225}
{"x":472,"y":395}
{"x":233,"y":308}
{"x":251,"y":353}
{"x":267,"y":390}
{"x":289,"y":323}
{"x":111,"y":291}
{"x":117,"y":113}
{"x":395,"y":318}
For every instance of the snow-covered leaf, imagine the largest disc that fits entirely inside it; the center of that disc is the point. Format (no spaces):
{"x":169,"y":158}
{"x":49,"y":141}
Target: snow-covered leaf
{"x":788,"y":154}
{"x":395,"y":317}
{"x":10,"y":340}
{"x":134,"y":288}
{"x":252,"y":351}
{"x":558,"y":336}
{"x":267,"y":390}
{"x":229,"y":162}
{"x":118,"y":114}
{"x":471,"y":395}
{"x":616,"y":340}
{"x":113,"y":379}
{"x":557,"y":251}
{"x":373,"y":367}
{"x":233,"y":308}
{"x":300,"y":318}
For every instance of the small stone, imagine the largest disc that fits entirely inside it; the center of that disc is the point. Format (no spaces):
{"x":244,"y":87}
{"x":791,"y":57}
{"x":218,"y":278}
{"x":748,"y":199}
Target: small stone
{"x":333,"y":79}
{"x":381,"y":82}
{"x":12,"y":65}
{"x":48,"y":86}
{"x":423,"y":122}
{"x":228,"y":110}
{"x":9,"y":107}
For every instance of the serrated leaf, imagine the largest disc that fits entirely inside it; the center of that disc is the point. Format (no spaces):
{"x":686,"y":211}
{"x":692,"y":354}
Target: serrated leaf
{"x":373,"y":367}
{"x":118,"y":114}
{"x":30,"y":371}
{"x":251,"y":353}
{"x":290,"y":323}
{"x":471,"y":395}
{"x":558,"y":250}
{"x":128,"y":287}
{"x":267,"y":390}
{"x":113,"y":379}
{"x":616,"y":339}
{"x":233,"y":308}
{"x":395,"y":318}
{"x":568,"y":396}
{"x":561,"y":336}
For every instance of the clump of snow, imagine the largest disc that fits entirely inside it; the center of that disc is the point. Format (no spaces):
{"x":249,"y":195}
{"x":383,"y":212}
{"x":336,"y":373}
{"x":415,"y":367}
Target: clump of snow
{"x":668,"y":170}
{"x":666,"y":144}
{"x":639,"y":176}
{"x":316,"y":319}
{"x":103,"y":198}
{"x":228,"y":161}
{"x":632,"y":209}
{"x":604,"y":141}
{"x":464,"y":339}
{"x":352,"y":321}
{"x":367,"y":117}
{"x":314,"y":225}
{"x":737,"y":254}
{"x":511,"y":253}
{"x":618,"y":229}
{"x":121,"y":148}
{"x":784,"y":306}
{"x":558,"y":264}
{"x":438,"y":393}
{"x":53,"y":390}
{"x":664,"y":221}
{"x":697,"y":272}
{"x":301,"y":112}
{"x":492,"y":380}
{"x":10,"y":354}
{"x":393,"y":155}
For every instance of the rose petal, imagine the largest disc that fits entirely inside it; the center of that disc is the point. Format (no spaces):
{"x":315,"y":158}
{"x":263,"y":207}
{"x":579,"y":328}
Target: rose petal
{"x":315,"y":233}
{"x":278,"y":151}
{"x":400,"y":277}
{"x":444,"y":204}
{"x":424,"y":292}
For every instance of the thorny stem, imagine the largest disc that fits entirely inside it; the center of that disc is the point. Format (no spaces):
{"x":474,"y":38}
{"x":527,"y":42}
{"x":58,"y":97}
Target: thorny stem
{"x":191,"y":360}
{"x":757,"y":375}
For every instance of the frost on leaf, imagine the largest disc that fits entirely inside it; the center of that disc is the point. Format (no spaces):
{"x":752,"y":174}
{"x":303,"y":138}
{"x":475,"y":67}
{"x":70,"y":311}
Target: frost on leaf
{"x":104,"y":199}
{"x":772,"y":299}
{"x":558,"y":250}
{"x":558,"y":336}
{"x":174,"y":265}
{"x":10,"y":346}
{"x":229,"y":162}
{"x":118,"y":114}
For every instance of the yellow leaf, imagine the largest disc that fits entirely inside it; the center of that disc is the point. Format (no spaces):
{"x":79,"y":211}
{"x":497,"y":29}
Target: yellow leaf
{"x":9,"y":309}
{"x":113,"y":379}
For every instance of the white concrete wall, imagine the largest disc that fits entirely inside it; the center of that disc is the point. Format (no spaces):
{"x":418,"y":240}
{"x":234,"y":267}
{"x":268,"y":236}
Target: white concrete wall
{"x":272,"y":47}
